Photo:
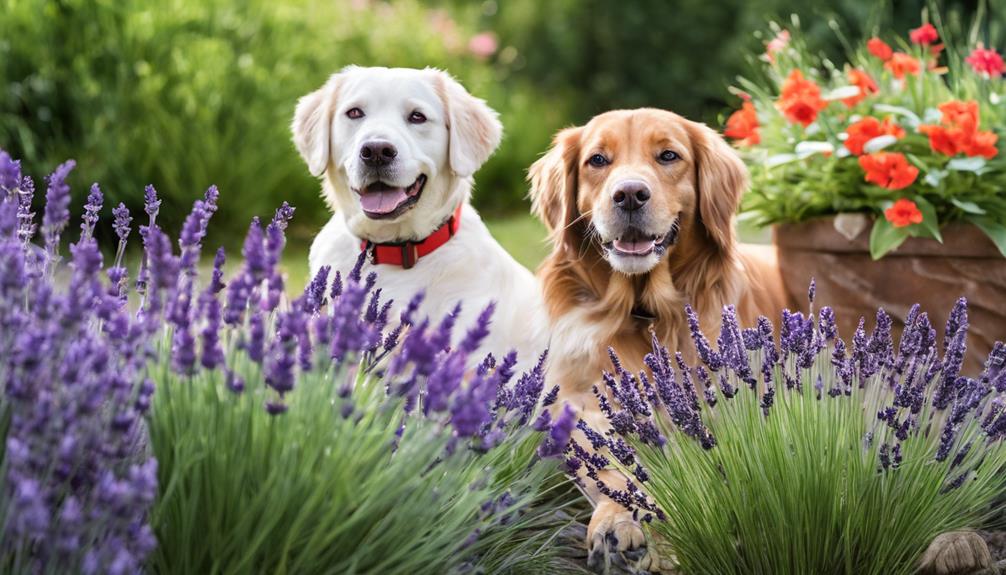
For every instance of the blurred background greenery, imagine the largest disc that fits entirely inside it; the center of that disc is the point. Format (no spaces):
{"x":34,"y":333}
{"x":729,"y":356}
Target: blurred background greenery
{"x":187,"y":93}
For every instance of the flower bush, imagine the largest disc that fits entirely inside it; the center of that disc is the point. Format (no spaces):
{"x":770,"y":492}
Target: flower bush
{"x":177,"y":424}
{"x":908,"y":134}
{"x":813,"y":456}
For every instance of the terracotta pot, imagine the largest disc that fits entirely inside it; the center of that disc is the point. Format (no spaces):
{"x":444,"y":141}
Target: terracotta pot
{"x":921,"y":271}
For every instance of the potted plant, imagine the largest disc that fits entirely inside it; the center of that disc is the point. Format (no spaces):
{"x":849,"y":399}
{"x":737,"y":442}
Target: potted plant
{"x":883,"y":176}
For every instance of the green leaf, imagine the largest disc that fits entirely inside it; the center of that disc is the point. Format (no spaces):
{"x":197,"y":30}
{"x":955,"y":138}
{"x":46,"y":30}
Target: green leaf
{"x":969,"y":207}
{"x":994,"y":230}
{"x":884,"y":237}
{"x":930,"y":222}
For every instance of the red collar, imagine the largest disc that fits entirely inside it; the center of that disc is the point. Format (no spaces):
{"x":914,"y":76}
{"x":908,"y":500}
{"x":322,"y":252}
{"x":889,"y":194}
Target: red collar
{"x":407,"y":253}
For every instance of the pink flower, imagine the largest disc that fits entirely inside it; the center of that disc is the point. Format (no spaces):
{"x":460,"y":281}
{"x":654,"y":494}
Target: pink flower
{"x":987,"y":62}
{"x":925,"y":34}
{"x":483,"y":45}
{"x":780,"y":41}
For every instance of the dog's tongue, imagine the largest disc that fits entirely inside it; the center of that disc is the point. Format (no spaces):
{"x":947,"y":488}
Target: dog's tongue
{"x":384,"y":201}
{"x":634,"y":246}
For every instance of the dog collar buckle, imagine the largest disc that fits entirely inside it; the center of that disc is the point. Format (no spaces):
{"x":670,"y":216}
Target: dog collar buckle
{"x":410,"y":254}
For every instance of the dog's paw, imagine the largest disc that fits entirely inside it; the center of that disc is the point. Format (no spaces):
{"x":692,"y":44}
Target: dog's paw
{"x":955,"y":552}
{"x":616,"y":543}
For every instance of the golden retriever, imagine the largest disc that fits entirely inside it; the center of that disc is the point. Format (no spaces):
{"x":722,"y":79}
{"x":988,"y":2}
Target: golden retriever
{"x":640,"y":205}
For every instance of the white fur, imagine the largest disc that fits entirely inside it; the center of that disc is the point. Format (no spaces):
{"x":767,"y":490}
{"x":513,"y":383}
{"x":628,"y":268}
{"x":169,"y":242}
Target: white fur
{"x":459,"y":135}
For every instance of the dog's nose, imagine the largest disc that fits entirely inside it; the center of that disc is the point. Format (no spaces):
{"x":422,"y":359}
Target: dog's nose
{"x":631,"y":195}
{"x":377,"y":153}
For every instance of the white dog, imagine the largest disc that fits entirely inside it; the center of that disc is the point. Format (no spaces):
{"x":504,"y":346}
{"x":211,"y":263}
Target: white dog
{"x":397,"y":148}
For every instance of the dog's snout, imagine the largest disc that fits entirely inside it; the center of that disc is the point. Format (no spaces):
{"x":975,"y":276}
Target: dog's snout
{"x":377,"y":153}
{"x":631,"y":195}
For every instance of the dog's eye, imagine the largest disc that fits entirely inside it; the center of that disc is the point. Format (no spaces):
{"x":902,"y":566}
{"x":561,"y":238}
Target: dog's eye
{"x":417,"y":118}
{"x":354,"y":114}
{"x":667,"y":156}
{"x":598,"y":161}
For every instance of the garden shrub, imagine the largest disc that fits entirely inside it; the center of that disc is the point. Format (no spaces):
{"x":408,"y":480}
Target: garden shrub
{"x":810,"y":456}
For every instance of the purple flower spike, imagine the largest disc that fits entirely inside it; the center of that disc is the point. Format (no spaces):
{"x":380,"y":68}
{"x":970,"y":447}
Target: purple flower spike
{"x":151,"y":204}
{"x":559,"y":433}
{"x":57,"y":206}
{"x":213,"y":353}
{"x":217,"y":276}
{"x":254,"y":253}
{"x":10,"y":173}
{"x":705,"y":351}
{"x":95,"y":199}
{"x":826,"y":324}
{"x":121,"y":221}
{"x":276,"y":407}
{"x":25,"y":215}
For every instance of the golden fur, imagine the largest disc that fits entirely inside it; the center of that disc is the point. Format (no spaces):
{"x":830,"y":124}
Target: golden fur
{"x":590,"y":303}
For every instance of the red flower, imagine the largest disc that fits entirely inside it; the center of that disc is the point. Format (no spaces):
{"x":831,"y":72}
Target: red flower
{"x":864,"y":82}
{"x":879,"y":48}
{"x":900,"y":64}
{"x":743,"y":125}
{"x":867,"y":129}
{"x":958,"y":132}
{"x":888,"y":170}
{"x":982,"y":143}
{"x":780,"y":41}
{"x":800,"y":99}
{"x":986,"y":62}
{"x":925,"y":34}
{"x":903,"y":213}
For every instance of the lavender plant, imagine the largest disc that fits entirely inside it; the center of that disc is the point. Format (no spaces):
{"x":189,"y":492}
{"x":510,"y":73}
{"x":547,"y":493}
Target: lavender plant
{"x":312,"y":435}
{"x":78,"y":480}
{"x":813,"y":456}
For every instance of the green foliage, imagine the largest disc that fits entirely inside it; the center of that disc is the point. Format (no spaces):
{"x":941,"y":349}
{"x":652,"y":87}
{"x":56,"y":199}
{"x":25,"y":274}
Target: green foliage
{"x":185,"y":94}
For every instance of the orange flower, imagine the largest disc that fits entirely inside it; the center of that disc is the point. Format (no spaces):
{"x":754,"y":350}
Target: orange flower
{"x":867,"y":129}
{"x":963,"y":115}
{"x":903,"y":213}
{"x":925,"y":34}
{"x":958,"y":132}
{"x":743,"y":125}
{"x":800,"y":99}
{"x":888,"y":170}
{"x":879,"y":48}
{"x":864,"y":82}
{"x":900,"y":64}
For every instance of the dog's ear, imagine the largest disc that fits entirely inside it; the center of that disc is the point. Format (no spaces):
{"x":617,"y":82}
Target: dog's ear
{"x":721,"y":179}
{"x":553,"y":181}
{"x":473,"y":128}
{"x":312,"y":125}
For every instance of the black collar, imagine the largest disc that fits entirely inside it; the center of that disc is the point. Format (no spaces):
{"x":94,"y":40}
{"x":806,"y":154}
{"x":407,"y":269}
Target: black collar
{"x":641,"y":313}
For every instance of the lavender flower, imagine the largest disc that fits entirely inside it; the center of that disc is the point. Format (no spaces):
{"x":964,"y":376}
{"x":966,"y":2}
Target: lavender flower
{"x":10,"y":173}
{"x":151,"y":203}
{"x":91,"y":209}
{"x":57,"y":207}
{"x":559,"y":433}
{"x":705,"y":351}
